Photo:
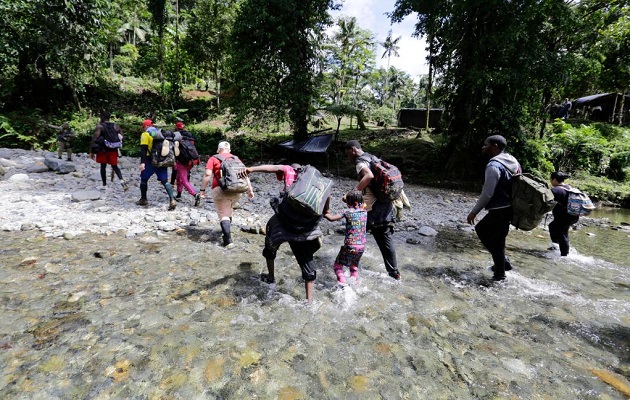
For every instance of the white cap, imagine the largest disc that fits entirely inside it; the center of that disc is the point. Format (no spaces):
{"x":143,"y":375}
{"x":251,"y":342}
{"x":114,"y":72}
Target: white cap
{"x":223,"y":146}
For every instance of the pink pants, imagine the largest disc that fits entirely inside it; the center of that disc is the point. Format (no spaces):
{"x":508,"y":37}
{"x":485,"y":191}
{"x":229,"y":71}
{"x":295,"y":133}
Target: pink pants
{"x":182,"y":178}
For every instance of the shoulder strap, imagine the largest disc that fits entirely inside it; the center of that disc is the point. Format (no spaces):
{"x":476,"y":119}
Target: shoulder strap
{"x":219,"y":157}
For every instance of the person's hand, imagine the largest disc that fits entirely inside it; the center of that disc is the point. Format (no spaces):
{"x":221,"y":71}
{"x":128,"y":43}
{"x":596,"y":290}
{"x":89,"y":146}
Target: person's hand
{"x":92,"y":156}
{"x":203,"y":193}
{"x":471,"y":218}
{"x":250,"y":194}
{"x":141,"y":167}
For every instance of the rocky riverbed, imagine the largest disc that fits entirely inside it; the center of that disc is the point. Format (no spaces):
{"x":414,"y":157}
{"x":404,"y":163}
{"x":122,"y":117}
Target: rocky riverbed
{"x":64,"y":199}
{"x":101,"y":298}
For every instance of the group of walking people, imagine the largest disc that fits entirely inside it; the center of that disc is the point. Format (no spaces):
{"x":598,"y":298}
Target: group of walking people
{"x":364,"y":212}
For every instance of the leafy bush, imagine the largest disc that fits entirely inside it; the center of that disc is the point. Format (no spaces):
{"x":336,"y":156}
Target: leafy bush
{"x":597,"y":149}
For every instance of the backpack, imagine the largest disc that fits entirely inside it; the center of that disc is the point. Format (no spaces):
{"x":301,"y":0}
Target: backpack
{"x":303,"y":202}
{"x":165,"y":148}
{"x":387,"y":183}
{"x":111,"y":140}
{"x":231,"y":179}
{"x":531,"y":200}
{"x":578,"y":203}
{"x":187,"y":150}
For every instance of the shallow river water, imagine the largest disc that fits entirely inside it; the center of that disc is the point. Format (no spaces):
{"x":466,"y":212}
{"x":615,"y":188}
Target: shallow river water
{"x":170,"y":316}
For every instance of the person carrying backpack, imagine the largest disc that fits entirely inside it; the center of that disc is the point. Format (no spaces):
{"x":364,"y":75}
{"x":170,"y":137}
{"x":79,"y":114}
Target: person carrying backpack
{"x":147,"y":169}
{"x":183,"y":165}
{"x":496,"y":197}
{"x":306,"y":240}
{"x":562,"y":220}
{"x":380,"y":211}
{"x":106,"y":141}
{"x":229,"y":180}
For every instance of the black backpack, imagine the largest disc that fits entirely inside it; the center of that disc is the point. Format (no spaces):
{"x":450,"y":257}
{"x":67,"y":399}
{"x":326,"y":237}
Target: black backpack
{"x":165,"y":148}
{"x":111,"y":140}
{"x":232,"y":179}
{"x":187,"y":149}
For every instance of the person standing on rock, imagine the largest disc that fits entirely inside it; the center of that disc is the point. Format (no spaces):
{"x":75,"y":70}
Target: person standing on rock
{"x":106,"y":141}
{"x":380,"y":213}
{"x":64,"y":141}
{"x":147,"y":169}
{"x":496,"y":198}
{"x":224,"y":199}
{"x":304,"y":242}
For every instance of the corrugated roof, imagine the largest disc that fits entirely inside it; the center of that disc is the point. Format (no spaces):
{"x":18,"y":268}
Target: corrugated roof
{"x":316,"y":144}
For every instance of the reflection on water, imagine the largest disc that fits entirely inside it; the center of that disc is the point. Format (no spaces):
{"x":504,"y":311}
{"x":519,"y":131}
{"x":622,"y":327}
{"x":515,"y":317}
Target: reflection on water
{"x":614,"y":215}
{"x":171,"y":317}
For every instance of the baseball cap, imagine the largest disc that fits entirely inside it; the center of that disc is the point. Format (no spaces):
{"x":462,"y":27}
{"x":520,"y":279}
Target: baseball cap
{"x":180,"y":125}
{"x":223,"y":146}
{"x":147,"y":122}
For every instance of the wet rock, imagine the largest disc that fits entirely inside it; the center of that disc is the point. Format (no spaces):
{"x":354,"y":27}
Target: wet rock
{"x":69,"y":235}
{"x":427,"y":231}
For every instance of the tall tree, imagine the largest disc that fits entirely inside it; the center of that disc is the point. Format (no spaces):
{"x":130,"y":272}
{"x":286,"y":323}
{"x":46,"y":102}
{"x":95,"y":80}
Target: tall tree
{"x":391,"y":48}
{"x":52,"y":40}
{"x":207,"y":40}
{"x":274,"y":59}
{"x":494,"y":60}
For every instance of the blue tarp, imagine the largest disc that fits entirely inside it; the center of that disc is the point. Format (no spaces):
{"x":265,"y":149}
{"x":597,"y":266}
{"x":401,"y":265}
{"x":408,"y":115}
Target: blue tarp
{"x":316,"y":144}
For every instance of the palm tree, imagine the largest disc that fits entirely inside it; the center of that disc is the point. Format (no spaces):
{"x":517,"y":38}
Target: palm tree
{"x":391,"y":48}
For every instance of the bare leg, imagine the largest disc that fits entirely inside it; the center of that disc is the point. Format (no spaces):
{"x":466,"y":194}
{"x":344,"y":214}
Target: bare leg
{"x":309,"y":290}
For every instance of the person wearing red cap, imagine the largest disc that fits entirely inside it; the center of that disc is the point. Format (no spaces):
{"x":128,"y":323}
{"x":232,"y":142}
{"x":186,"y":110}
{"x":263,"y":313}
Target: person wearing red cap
{"x":182,"y":168}
{"x":147,"y":169}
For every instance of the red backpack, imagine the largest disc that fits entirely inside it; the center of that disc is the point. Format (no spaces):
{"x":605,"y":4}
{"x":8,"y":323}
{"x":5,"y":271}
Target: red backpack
{"x":387,"y":183}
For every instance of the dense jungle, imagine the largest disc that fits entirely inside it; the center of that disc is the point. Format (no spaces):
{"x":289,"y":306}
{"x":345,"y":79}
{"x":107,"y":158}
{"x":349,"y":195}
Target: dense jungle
{"x":263,"y":72}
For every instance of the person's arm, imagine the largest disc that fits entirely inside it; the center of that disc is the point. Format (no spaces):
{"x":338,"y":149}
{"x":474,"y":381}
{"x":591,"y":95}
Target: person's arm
{"x":333,"y":217}
{"x":366,"y":177}
{"x":265,"y":168}
{"x":95,"y":135}
{"x":207,"y":178}
{"x":492,"y":176}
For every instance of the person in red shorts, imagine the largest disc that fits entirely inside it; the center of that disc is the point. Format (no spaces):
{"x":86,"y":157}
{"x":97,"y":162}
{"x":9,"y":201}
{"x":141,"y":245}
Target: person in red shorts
{"x":105,"y":151}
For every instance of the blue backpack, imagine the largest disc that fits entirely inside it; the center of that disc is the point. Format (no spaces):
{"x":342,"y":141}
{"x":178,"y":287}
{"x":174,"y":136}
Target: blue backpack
{"x":579,"y":204}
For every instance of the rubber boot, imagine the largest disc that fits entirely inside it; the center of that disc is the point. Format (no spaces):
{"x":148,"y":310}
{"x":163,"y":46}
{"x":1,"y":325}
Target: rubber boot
{"x":227,"y":236}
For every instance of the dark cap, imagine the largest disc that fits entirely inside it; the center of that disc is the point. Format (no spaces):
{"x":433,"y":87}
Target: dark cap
{"x":353,"y":143}
{"x":498,"y":140}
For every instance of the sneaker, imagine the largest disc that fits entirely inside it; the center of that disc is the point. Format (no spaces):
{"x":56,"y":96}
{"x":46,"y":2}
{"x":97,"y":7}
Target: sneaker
{"x":265,"y":278}
{"x":395,"y":275}
{"x":69,"y":159}
{"x":172,"y":204}
{"x":102,"y":188}
{"x":142,"y":202}
{"x":499,"y":278}
{"x":178,"y":198}
{"x":508,"y":267}
{"x":197,"y":199}
{"x":124,"y":185}
{"x":229,"y":245}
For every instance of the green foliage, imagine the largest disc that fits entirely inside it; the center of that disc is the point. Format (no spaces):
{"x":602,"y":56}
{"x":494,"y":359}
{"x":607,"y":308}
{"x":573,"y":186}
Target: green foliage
{"x":273,"y":56}
{"x":598,"y":149}
{"x":382,"y":116}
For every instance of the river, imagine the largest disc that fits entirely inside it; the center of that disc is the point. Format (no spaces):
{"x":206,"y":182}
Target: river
{"x":174,"y":316}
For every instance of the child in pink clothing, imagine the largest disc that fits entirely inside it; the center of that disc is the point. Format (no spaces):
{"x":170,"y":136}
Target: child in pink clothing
{"x":354,"y":243}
